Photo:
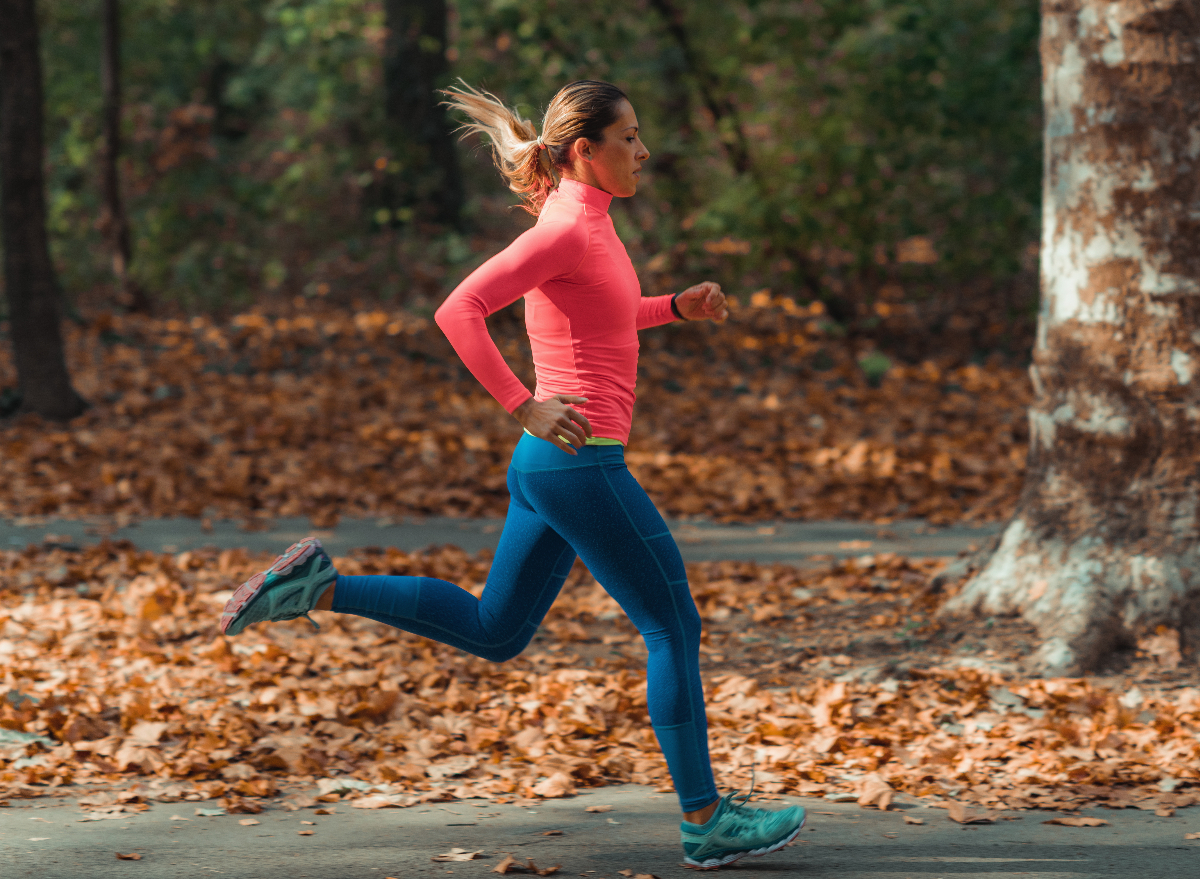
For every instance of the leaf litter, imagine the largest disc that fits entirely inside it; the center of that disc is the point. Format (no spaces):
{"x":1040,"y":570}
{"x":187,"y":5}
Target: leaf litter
{"x":250,"y":418}
{"x":96,"y":660}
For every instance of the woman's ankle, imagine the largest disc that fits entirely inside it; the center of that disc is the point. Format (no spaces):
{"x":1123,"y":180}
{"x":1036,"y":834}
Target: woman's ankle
{"x":701,"y":816}
{"x":325,"y":602}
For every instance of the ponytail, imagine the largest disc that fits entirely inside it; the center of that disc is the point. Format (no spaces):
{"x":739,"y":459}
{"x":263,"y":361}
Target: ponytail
{"x":527,"y":160}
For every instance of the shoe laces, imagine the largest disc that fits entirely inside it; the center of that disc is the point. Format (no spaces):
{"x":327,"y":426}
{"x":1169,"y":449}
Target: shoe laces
{"x":741,"y":807}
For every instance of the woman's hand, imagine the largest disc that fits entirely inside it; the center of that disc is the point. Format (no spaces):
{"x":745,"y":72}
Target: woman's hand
{"x":704,"y":301}
{"x":554,"y":419}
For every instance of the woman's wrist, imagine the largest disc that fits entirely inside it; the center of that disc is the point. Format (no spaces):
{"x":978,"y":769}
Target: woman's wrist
{"x":675,"y":308}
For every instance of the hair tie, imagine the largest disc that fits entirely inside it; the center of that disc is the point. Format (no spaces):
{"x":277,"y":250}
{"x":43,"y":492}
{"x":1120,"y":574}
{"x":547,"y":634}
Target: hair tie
{"x":539,"y":142}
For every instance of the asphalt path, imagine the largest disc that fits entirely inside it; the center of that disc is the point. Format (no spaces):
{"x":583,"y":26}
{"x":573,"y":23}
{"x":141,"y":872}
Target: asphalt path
{"x":791,"y":542}
{"x":46,"y":839}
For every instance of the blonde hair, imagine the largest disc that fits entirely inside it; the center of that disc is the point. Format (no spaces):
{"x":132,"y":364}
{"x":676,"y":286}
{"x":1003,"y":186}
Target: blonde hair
{"x":580,"y":109}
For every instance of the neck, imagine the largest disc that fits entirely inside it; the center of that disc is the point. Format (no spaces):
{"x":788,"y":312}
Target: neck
{"x":583,"y":175}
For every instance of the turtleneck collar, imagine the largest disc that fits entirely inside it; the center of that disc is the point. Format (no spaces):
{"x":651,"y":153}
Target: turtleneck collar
{"x":588,"y":195}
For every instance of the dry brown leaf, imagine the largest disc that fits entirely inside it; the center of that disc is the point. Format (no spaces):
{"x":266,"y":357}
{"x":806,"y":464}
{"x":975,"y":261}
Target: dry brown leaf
{"x":457,"y":854}
{"x":598,"y":809}
{"x":557,"y":785}
{"x":305,"y":832}
{"x":1077,"y":821}
{"x":908,"y":819}
{"x":380,"y":801}
{"x":1191,"y":836}
{"x":132,"y":856}
{"x":960,"y":814}
{"x":248,"y":822}
{"x":876,"y":792}
{"x":1165,"y":812}
{"x":552,"y":833}
{"x":505,"y":865}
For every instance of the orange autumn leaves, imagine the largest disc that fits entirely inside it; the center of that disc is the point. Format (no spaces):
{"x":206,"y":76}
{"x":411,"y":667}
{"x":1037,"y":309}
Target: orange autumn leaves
{"x":115,"y":671}
{"x":319,"y":412}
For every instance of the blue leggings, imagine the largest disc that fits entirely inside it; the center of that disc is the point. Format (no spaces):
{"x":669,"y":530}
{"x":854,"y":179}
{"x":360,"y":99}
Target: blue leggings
{"x":561,"y":505}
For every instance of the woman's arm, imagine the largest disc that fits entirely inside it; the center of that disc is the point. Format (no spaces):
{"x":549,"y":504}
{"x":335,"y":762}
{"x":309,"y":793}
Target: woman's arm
{"x":546,"y":251}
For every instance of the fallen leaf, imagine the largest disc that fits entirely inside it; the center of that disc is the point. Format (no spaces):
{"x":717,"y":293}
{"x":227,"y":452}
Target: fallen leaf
{"x":179,"y":818}
{"x":552,"y":833}
{"x":330,"y":811}
{"x":876,"y":792}
{"x":557,"y":785}
{"x":908,"y":819}
{"x":300,"y":801}
{"x":611,"y":821}
{"x":248,"y":822}
{"x":960,"y":814}
{"x":305,"y":832}
{"x":598,"y":809}
{"x":383,"y":801}
{"x":1077,"y":821}
{"x":1191,"y":836}
{"x":310,"y":823}
{"x":511,"y":865}
{"x":209,"y":813}
{"x":628,"y":873}
{"x":38,"y":838}
{"x":457,"y":854}
{"x":132,"y":856}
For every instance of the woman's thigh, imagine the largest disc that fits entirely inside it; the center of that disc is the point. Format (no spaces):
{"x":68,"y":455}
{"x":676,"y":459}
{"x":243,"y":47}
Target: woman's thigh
{"x":613,"y":525}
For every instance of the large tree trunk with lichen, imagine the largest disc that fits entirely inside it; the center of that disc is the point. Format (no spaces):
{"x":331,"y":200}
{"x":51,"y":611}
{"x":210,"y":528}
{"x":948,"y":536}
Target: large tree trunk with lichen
{"x":1104,"y":549}
{"x":29,"y":282}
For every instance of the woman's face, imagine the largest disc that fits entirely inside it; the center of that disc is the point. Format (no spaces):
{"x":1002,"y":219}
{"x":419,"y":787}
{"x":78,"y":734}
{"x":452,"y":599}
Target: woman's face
{"x":615,"y":163}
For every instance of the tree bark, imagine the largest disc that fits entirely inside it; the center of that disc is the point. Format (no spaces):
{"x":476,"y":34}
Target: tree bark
{"x":414,"y":67}
{"x":34,"y":312}
{"x":113,"y":221}
{"x":1103,"y":548}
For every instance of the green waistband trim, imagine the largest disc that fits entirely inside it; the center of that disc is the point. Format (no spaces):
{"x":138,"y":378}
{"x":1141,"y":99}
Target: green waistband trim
{"x":593,"y":441}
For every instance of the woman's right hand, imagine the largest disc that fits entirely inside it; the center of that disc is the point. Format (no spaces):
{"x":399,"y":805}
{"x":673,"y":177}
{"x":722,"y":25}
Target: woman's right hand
{"x":554,"y":419}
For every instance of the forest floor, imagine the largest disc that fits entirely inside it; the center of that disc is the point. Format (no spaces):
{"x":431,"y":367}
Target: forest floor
{"x":324,"y":412}
{"x":837,"y":679}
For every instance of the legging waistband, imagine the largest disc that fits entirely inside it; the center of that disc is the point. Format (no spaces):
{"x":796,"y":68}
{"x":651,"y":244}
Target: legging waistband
{"x":533,"y":454}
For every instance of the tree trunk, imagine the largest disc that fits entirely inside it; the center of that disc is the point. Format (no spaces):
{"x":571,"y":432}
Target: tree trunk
{"x":1103,"y":548}
{"x":30,"y":285}
{"x":414,"y":67}
{"x":113,"y":221}
{"x":723,"y":110}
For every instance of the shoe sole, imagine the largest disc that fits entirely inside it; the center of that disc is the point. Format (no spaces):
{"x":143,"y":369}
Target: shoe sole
{"x":717,"y":863}
{"x":245,"y":594}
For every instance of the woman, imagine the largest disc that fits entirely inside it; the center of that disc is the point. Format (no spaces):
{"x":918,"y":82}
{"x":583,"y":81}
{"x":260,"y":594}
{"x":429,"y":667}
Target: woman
{"x":571,"y":491}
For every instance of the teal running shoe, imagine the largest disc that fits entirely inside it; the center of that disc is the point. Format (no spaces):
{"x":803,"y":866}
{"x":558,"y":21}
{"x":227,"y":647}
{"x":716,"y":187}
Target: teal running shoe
{"x":736,"y":830}
{"x":290,"y":588}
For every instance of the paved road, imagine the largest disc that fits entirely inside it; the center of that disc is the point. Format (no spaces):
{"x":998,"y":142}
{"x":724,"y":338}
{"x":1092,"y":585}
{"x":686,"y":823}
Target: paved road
{"x":46,"y":840}
{"x":794,"y":542}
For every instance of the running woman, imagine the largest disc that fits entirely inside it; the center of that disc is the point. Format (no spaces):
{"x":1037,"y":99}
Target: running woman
{"x":571,"y":492}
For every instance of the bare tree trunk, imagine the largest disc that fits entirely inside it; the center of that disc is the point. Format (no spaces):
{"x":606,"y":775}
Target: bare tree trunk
{"x":414,"y":67}
{"x":30,"y":285}
{"x":1103,"y":549}
{"x":113,"y":221}
{"x":723,"y":111}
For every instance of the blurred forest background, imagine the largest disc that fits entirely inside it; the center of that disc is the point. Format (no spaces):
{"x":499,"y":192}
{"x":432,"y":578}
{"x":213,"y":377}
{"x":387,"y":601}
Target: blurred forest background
{"x":882,"y":156}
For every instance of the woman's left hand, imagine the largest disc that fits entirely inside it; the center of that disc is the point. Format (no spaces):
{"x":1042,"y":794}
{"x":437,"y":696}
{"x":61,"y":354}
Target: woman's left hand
{"x":704,"y":301}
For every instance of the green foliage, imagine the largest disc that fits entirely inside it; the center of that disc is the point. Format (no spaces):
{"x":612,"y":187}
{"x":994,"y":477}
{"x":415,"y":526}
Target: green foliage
{"x":258,"y":156}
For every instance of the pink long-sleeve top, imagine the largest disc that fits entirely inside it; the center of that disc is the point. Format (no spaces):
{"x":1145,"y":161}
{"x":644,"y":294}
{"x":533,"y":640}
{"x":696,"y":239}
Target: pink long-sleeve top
{"x":583,"y":309}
